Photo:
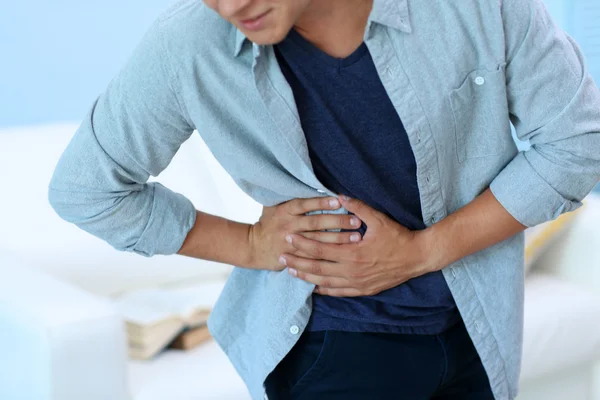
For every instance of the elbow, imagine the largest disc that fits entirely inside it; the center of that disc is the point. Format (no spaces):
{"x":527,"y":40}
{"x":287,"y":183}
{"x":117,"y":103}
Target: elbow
{"x":69,"y":206}
{"x":118,"y":219}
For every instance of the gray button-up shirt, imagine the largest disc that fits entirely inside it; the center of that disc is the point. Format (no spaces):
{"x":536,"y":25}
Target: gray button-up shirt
{"x":457,"y":73}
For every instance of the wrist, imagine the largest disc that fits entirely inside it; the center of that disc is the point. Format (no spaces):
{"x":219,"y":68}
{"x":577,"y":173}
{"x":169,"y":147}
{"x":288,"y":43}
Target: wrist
{"x":256,"y":252}
{"x":429,"y":249}
{"x":250,"y":253}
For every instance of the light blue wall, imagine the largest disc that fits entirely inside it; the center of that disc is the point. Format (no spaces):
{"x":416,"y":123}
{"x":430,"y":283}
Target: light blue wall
{"x":581,"y":19}
{"x":57,"y":56}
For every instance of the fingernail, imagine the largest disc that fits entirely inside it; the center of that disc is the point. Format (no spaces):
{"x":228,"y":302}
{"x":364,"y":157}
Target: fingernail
{"x":282,"y":260}
{"x":354,"y":221}
{"x":345,"y":197}
{"x":334,"y":203}
{"x":355,"y":237}
{"x":288,"y":238}
{"x":292,"y":272}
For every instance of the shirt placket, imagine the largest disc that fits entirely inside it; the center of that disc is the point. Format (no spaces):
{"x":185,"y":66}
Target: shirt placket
{"x":408,"y":106}
{"x":413,"y":116}
{"x":278,"y":99}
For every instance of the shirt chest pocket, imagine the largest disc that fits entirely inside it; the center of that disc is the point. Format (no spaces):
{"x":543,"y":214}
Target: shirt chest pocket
{"x":480,"y":113}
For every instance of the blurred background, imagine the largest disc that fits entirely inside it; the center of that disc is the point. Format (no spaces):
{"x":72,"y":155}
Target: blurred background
{"x":69,"y":302}
{"x":59,"y":55}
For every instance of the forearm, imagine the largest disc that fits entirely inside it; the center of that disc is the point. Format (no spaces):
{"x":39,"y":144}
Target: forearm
{"x":218,"y":239}
{"x":482,"y":223}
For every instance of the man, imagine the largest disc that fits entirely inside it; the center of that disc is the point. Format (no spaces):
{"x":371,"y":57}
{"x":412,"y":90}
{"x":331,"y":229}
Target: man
{"x":376,"y":133}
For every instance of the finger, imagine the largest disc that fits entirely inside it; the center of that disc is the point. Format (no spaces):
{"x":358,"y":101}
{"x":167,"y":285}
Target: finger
{"x":322,"y":281}
{"x":360,"y":209}
{"x":303,"y":206}
{"x":309,"y":265}
{"x":302,"y":254}
{"x":333,"y":237}
{"x":317,"y":250}
{"x":337,"y":292}
{"x":322,"y":222}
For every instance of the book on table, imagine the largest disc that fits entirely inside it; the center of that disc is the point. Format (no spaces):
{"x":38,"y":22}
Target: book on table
{"x":158,"y":317}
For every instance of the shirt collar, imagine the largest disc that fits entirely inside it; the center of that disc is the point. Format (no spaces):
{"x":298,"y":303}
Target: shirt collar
{"x":392,"y":13}
{"x":240,"y":39}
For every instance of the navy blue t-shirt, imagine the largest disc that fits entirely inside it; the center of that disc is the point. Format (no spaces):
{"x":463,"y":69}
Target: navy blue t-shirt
{"x":358,"y":147}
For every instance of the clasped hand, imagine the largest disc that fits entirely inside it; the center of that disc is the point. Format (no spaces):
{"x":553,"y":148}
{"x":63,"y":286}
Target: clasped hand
{"x":341,"y":264}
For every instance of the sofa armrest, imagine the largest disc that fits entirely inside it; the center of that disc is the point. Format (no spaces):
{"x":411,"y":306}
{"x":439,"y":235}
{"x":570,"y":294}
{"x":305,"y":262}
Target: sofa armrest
{"x":57,"y":341}
{"x":575,"y":255}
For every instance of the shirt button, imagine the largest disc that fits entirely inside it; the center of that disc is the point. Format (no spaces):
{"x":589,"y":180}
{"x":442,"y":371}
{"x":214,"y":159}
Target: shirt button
{"x":479,"y":80}
{"x":320,"y":191}
{"x":294,"y":330}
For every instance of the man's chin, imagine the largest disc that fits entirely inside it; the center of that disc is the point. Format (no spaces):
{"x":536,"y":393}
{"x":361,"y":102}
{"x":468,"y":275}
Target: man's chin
{"x":266,"y":37}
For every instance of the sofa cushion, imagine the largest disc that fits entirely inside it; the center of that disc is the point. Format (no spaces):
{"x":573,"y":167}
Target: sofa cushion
{"x":561,"y":327}
{"x":58,"y":342}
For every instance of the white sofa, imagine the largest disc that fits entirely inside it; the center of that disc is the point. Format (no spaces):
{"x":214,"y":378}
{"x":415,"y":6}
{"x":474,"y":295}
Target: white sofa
{"x":61,"y":338}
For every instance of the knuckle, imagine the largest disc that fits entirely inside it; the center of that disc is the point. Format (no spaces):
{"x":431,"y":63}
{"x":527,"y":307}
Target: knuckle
{"x":315,"y":268}
{"x":358,"y":257}
{"x":356,"y":278}
{"x":317,"y":251}
{"x":313,"y":223}
{"x":326,"y":283}
{"x":291,"y":207}
{"x":281,"y":208}
{"x":286,"y":226}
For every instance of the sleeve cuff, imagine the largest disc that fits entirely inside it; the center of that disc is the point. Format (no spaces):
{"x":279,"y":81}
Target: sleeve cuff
{"x":527,"y":196}
{"x":173,"y":216}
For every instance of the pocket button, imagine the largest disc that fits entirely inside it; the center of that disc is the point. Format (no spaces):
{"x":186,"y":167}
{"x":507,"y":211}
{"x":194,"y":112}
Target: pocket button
{"x":479,"y":80}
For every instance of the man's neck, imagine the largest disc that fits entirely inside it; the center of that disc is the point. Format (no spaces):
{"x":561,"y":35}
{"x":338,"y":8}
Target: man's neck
{"x":336,"y":27}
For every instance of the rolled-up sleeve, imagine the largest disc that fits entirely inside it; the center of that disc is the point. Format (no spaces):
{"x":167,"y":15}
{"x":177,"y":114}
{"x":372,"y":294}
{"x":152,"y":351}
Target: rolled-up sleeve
{"x":131,"y":133}
{"x":555,"y":104}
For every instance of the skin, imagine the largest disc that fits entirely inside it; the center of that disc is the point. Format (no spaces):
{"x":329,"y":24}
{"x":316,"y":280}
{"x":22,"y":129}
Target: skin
{"x":339,"y":264}
{"x":335,"y":26}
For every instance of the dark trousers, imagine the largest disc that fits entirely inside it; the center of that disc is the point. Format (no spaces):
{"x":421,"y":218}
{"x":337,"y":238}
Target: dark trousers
{"x":334,"y":365}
